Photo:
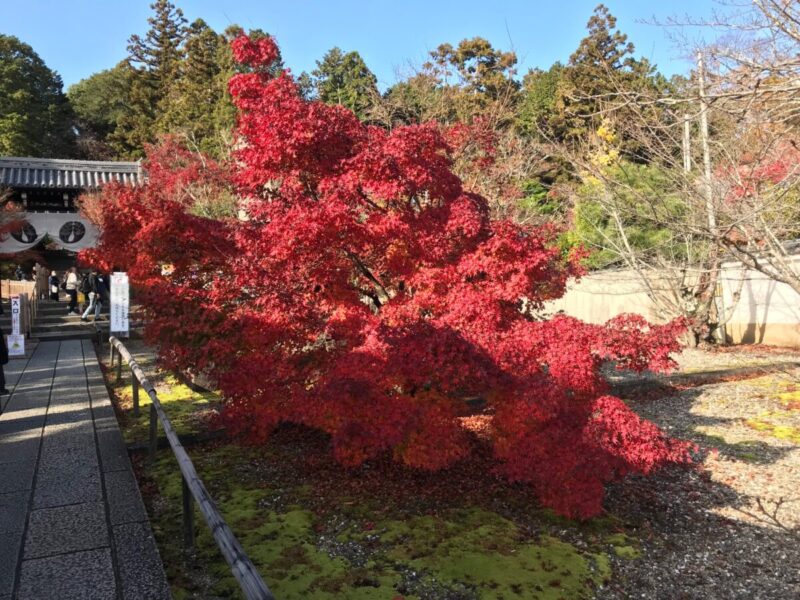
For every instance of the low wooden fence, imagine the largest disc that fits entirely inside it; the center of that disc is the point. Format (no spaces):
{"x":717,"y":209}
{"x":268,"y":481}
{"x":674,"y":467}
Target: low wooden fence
{"x":27,"y":308}
{"x":27,"y":313}
{"x":241,"y":566}
{"x":29,"y":293}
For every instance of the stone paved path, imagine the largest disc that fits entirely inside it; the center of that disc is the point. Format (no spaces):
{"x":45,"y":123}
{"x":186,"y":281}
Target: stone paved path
{"x":72,"y":522}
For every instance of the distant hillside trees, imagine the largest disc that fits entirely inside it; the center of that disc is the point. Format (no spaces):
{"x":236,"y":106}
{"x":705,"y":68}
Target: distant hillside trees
{"x":100,"y":102}
{"x":174,"y":81}
{"x":35,"y":116}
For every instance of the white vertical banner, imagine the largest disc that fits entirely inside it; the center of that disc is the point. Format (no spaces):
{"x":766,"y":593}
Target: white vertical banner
{"x":16,"y":341}
{"x":120,"y":304}
{"x":15,"y":310}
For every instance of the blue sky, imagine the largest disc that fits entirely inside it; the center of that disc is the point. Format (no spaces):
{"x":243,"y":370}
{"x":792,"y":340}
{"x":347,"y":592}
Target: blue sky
{"x":80,"y":37}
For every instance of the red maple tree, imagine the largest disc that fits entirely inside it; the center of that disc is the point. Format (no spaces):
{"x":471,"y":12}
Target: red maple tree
{"x":366,"y":294}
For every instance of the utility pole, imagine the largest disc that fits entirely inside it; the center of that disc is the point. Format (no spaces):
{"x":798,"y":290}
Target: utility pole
{"x":709,"y":193}
{"x":687,"y":148}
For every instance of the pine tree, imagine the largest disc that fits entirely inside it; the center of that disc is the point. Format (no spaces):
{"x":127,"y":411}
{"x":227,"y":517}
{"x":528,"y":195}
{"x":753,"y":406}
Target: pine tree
{"x":457,"y":84}
{"x":481,"y":68}
{"x":35,"y":116}
{"x":602,"y":67}
{"x":346,"y":80}
{"x":190,"y":107}
{"x":153,"y":64}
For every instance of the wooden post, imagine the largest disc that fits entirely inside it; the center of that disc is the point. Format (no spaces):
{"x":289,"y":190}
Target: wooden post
{"x":151,"y":454}
{"x":111,"y":356}
{"x":708,"y":191}
{"x":119,"y":368}
{"x":135,"y":385}
{"x":253,"y":587}
{"x":687,"y":144}
{"x":188,"y":515}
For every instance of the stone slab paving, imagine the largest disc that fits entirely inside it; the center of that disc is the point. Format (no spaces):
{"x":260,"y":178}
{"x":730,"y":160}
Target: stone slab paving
{"x":72,"y":521}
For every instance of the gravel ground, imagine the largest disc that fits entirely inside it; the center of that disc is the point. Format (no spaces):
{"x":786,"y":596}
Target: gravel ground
{"x":728,"y":529}
{"x":731,"y":527}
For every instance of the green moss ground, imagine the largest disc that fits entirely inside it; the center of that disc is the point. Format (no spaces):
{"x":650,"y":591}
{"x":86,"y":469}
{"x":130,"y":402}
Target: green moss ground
{"x":315,"y":531}
{"x":183,"y":406}
{"x":769,"y":423}
{"x":783,"y":422}
{"x":747,"y":450}
{"x":468,"y":552}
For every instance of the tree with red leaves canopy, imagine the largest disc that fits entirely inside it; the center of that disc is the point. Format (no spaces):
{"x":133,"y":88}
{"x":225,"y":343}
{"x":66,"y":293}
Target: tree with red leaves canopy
{"x":366,"y":294}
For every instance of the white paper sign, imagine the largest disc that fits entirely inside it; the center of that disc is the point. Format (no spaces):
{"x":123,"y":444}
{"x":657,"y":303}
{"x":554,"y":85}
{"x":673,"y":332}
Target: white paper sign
{"x":120,"y":304}
{"x":16,"y":345}
{"x":15,"y":308}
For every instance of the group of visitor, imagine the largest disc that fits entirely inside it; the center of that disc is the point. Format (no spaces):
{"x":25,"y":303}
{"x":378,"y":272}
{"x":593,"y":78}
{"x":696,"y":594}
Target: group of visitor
{"x":93,"y":285}
{"x":21,"y":274}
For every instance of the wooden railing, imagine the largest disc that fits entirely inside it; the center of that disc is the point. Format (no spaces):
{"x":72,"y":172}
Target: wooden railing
{"x":242,"y":567}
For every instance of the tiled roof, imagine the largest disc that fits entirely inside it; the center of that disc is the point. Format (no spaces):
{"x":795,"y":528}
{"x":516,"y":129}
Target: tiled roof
{"x":59,"y":173}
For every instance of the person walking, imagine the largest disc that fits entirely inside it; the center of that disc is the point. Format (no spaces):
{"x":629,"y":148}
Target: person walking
{"x":71,"y":287}
{"x":98,"y":292}
{"x":53,"y":283}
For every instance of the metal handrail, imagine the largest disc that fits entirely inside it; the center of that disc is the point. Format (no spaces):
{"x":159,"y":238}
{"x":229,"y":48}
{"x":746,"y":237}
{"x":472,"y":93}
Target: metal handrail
{"x":242,"y":567}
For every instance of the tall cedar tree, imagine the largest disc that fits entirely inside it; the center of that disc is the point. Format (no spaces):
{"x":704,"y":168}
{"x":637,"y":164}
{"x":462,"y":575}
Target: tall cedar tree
{"x":368,"y":295}
{"x":344,"y":79}
{"x":35,"y":115}
{"x":599,"y":74}
{"x":191,"y":107}
{"x":153,"y":65}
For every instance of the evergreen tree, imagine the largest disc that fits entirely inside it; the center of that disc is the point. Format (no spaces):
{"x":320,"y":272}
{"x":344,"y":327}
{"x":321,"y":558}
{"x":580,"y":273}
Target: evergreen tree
{"x":35,"y":116}
{"x":456,"y":85}
{"x":600,"y":72}
{"x":481,"y":68}
{"x":153,"y":64}
{"x":346,"y":80}
{"x":537,"y":111}
{"x":190,"y":107}
{"x":99,"y":102}
{"x":419,"y":99}
{"x":305,"y":84}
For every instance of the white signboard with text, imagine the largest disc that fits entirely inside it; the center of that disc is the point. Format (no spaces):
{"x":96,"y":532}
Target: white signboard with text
{"x":16,"y":344}
{"x":15,"y":308}
{"x":16,"y":341}
{"x":120,"y":304}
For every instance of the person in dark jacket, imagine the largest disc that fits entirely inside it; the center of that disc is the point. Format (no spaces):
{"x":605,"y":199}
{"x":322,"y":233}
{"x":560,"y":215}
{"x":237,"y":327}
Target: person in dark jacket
{"x":98,"y":294}
{"x":53,"y":282}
